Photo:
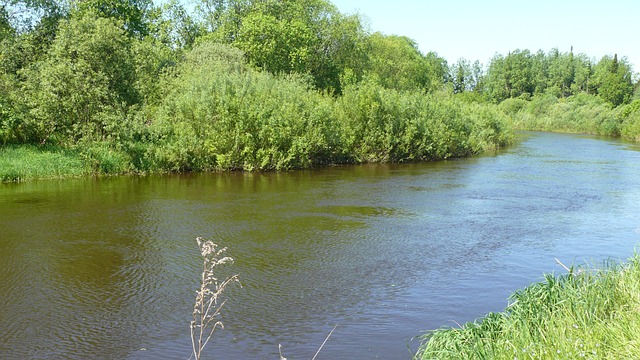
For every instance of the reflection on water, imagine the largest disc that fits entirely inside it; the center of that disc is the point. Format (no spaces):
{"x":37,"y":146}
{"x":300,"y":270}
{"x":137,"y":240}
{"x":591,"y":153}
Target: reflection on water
{"x":107,"y":268}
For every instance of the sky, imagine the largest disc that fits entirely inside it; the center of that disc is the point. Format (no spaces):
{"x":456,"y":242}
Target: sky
{"x":478,"y":29}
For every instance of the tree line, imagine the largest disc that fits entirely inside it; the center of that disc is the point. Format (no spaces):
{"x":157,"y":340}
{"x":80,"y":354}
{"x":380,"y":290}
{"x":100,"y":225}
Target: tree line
{"x":524,"y":74}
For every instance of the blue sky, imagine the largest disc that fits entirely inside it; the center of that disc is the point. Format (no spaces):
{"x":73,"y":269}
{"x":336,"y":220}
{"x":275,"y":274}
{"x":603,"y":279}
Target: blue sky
{"x":476,"y":30}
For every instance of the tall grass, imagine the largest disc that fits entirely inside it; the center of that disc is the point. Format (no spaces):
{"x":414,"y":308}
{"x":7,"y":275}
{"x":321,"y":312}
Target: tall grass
{"x":22,"y":162}
{"x":590,"y":314}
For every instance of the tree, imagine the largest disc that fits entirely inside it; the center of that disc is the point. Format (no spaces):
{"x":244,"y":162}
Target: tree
{"x":173,"y":26}
{"x":613,"y":80}
{"x":307,"y":37}
{"x":436,"y":71}
{"x":276,"y":45}
{"x":462,"y":76}
{"x":396,"y":63}
{"x":132,"y":13}
{"x":19,"y":16}
{"x":496,"y":80}
{"x":86,"y":80}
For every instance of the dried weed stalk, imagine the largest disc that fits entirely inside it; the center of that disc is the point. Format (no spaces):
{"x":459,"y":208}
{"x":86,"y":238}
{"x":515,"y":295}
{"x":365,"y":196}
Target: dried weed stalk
{"x":206,"y":309}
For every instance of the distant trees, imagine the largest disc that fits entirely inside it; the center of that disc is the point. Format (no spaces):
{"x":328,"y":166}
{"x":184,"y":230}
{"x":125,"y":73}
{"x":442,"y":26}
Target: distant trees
{"x":612,"y":79}
{"x":523,"y":74}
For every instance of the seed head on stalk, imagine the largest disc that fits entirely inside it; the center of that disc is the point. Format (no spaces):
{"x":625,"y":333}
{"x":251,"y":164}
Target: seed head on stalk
{"x":206,"y":309}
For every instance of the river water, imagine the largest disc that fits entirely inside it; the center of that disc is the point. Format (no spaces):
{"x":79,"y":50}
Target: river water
{"x":107,"y":268}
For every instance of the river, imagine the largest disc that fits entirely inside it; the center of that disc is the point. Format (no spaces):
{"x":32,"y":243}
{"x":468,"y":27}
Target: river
{"x":107,"y":268}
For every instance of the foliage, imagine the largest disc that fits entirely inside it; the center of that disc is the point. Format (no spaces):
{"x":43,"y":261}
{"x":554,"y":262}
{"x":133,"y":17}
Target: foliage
{"x":523,"y":74}
{"x":630,"y":115}
{"x":303,"y":37}
{"x":386,"y":125}
{"x":584,"y":314}
{"x":20,"y":16}
{"x":85,"y":83}
{"x":131,"y":13}
{"x":173,"y":26}
{"x":396,"y":63}
{"x":466,"y":77}
{"x":582,"y":113}
{"x":273,"y":85}
{"x":613,"y":80}
{"x":223,"y":115}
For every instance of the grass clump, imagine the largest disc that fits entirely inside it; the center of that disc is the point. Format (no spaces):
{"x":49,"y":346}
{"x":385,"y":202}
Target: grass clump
{"x":34,"y":162}
{"x":586,"y":314}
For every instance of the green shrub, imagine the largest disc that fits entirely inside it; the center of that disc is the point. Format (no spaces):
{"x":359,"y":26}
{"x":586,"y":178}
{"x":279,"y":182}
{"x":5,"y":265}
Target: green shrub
{"x":581,"y":113}
{"x":630,"y":115}
{"x":87,"y":76}
{"x":222,"y":115}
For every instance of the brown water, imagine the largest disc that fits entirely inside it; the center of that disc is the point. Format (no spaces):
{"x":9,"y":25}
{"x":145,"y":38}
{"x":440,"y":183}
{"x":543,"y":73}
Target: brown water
{"x":107,"y":268}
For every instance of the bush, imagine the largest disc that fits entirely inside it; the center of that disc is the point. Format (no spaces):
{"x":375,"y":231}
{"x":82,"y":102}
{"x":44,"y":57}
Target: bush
{"x":581,"y":113}
{"x":630,"y":115}
{"x":223,"y":115}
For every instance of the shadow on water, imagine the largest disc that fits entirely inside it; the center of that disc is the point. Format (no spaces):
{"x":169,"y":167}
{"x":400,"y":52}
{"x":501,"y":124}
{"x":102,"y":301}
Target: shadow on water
{"x":107,"y":268}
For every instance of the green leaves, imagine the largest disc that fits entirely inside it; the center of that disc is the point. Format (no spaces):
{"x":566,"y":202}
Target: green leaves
{"x":88,"y":73}
{"x":522,"y":74}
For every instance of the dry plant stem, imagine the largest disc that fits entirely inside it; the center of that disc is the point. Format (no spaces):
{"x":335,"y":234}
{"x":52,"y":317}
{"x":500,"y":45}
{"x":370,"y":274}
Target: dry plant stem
{"x":563,"y":265}
{"x":207,"y":307}
{"x":324,"y":342}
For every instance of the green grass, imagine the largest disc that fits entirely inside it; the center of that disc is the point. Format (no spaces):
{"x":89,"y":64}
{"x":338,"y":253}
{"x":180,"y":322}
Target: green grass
{"x":18,"y":163}
{"x":586,"y":314}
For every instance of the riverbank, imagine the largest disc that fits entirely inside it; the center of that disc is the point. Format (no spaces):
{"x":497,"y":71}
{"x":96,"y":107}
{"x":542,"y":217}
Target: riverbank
{"x":591,"y":314}
{"x":581,"y":113}
{"x":221,"y":115}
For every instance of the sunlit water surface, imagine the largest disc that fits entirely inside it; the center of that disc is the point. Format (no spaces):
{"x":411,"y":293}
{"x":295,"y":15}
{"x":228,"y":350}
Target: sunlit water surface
{"x":107,"y":268}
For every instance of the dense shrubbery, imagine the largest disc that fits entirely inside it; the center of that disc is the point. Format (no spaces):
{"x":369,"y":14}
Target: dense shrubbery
{"x":630,"y":127}
{"x":382,"y":124}
{"x":582,"y":113}
{"x":221,"y":114}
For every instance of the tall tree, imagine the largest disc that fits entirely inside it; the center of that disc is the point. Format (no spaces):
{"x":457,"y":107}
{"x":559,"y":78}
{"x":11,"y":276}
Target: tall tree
{"x":85,"y":80}
{"x":132,"y":13}
{"x":308,"y":37}
{"x":397,"y":63}
{"x":462,"y":76}
{"x":613,"y":80}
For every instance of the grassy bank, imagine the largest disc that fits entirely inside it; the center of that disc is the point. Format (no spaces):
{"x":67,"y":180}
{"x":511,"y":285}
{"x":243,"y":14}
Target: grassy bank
{"x":23,"y":162}
{"x":590,"y":314}
{"x":581,"y":113}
